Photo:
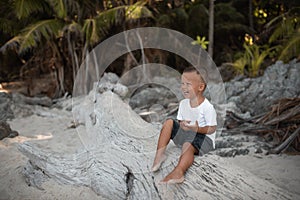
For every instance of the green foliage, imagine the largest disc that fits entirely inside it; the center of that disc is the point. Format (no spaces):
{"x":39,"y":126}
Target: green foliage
{"x":33,"y":35}
{"x":286,"y":34}
{"x":197,"y":23}
{"x":240,"y":65}
{"x":24,"y":8}
{"x":29,"y":24}
{"x":137,"y":11}
{"x":292,"y":47}
{"x":176,"y":19}
{"x":253,"y":57}
{"x":164,"y":20}
{"x":60,"y":7}
{"x":228,"y":20}
{"x":92,"y":28}
{"x":226,"y":13}
{"x":65,"y":29}
{"x":256,"y":56}
{"x":279,"y":37}
{"x":180,"y":18}
{"x":230,"y":28}
{"x":96,"y":28}
{"x":7,"y":26}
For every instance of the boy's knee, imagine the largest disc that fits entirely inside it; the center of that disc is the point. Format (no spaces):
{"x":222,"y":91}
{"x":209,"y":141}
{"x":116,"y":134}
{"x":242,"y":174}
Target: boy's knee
{"x":187,"y":146}
{"x":168,"y":122}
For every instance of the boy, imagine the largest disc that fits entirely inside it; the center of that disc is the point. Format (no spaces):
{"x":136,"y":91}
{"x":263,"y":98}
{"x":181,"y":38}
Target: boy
{"x":195,"y":130}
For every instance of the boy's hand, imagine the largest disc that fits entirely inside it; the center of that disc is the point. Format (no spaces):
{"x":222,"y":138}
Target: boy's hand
{"x":185,"y":125}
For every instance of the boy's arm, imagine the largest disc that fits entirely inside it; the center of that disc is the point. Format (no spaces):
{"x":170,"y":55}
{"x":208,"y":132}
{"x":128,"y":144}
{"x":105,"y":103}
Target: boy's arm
{"x":206,"y":129}
{"x":197,"y":129}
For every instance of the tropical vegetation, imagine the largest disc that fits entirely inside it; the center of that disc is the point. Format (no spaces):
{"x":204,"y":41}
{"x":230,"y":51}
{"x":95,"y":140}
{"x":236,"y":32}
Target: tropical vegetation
{"x":50,"y":38}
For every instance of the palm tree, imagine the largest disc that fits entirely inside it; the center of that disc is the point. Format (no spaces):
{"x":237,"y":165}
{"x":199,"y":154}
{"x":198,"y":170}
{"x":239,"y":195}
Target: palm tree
{"x":250,"y":15}
{"x":67,"y":30}
{"x":229,"y":30}
{"x":286,"y":34}
{"x":211,"y":28}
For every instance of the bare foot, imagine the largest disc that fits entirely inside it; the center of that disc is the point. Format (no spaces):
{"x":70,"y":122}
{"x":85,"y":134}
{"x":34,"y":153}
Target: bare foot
{"x":176,"y":176}
{"x":158,"y":162}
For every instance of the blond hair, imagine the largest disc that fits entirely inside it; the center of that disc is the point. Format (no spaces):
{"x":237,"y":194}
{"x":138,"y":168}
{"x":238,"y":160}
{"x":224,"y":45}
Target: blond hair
{"x":193,"y":69}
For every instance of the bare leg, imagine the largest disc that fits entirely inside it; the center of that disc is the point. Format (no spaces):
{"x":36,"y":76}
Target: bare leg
{"x":163,"y":141}
{"x":185,"y":161}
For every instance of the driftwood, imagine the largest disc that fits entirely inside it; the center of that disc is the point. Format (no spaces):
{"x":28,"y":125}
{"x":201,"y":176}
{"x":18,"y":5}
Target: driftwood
{"x":118,"y":154}
{"x":6,"y":131}
{"x":283,"y":111}
{"x":282,"y":123}
{"x":284,"y":145}
{"x":43,"y":101}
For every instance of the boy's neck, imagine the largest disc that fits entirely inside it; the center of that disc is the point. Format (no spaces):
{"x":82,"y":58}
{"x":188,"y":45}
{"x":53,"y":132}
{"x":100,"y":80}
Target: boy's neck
{"x":197,"y":101}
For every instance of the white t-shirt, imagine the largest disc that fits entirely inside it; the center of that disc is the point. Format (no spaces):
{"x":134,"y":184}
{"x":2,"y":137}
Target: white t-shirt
{"x":205,"y":115}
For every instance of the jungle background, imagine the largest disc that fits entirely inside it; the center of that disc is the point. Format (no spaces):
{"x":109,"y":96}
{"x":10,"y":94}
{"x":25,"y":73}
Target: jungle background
{"x":254,"y":43}
{"x":43,"y":42}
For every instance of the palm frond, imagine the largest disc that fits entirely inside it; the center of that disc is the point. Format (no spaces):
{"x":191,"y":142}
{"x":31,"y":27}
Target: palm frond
{"x":73,"y":27}
{"x":32,"y":35}
{"x":198,"y":9}
{"x":90,"y":31}
{"x":284,"y":29}
{"x":78,"y":8}
{"x":59,"y":8}
{"x":131,"y":12}
{"x":7,"y":26}
{"x":137,"y":11}
{"x":273,"y":22}
{"x":24,"y":8}
{"x":97,"y":28}
{"x":110,"y":16}
{"x":6,"y":8}
{"x":231,"y":27}
{"x":292,"y":48}
{"x":225,"y":12}
{"x":164,"y":20}
{"x":12,"y":44}
{"x":240,"y":64}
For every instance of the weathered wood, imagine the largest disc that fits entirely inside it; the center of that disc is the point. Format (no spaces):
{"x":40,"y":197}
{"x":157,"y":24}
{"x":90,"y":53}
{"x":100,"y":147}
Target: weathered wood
{"x":284,"y":145}
{"x":209,"y":178}
{"x":118,"y":155}
{"x":43,"y":101}
{"x":282,"y":110}
{"x":6,"y":131}
{"x":283,"y":118}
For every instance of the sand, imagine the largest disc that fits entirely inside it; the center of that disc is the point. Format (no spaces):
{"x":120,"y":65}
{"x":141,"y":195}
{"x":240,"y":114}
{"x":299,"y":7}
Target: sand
{"x":281,"y":170}
{"x":49,"y":129}
{"x":49,"y":132}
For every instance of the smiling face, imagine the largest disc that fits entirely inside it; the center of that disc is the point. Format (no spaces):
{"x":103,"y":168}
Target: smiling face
{"x":192,"y":85}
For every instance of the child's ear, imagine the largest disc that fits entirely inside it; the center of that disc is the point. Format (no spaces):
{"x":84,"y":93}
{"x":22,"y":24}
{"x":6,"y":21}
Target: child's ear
{"x":201,"y":87}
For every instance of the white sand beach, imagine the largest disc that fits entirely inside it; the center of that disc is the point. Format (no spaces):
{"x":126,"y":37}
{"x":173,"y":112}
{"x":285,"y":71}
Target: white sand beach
{"x":52,"y":132}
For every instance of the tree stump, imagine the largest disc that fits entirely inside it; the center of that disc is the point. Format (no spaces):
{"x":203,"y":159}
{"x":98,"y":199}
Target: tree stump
{"x":6,"y":131}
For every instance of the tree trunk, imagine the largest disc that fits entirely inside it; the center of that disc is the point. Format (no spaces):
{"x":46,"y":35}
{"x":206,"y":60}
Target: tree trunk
{"x":118,"y":155}
{"x":251,"y":15}
{"x":211,"y":28}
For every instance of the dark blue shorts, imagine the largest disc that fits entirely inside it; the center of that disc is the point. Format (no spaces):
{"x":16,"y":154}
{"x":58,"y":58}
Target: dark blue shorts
{"x":200,"y":141}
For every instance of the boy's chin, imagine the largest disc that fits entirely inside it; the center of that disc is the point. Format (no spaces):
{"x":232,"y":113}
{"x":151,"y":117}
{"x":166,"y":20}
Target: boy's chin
{"x":187,"y":96}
